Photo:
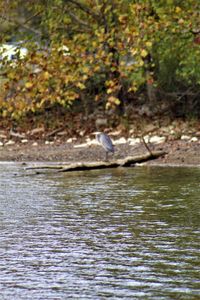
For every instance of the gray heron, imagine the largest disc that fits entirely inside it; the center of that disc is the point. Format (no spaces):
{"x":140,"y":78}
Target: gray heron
{"x":105,"y":142}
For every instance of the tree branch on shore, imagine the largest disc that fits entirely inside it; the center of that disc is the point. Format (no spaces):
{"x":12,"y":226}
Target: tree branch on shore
{"x":96,"y":165}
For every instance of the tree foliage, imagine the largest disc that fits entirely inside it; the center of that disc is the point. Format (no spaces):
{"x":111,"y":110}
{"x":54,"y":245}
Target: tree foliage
{"x":98,"y":52}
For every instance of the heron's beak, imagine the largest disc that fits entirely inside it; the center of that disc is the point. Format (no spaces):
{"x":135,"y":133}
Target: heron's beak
{"x":96,"y":132}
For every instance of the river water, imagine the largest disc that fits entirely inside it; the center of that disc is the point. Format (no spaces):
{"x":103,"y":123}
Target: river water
{"x":112,"y":234}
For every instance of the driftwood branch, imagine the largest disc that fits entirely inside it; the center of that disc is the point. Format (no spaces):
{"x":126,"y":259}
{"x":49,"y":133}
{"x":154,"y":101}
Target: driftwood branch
{"x":16,"y":134}
{"x":83,"y":166}
{"x":54,"y":132}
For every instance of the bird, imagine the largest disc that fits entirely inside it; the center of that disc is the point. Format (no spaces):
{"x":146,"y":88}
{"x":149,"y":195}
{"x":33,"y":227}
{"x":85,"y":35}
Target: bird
{"x":105,"y":142}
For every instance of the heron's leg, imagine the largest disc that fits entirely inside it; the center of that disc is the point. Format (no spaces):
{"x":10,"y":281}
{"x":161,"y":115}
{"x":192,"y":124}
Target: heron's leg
{"x":106,"y":156}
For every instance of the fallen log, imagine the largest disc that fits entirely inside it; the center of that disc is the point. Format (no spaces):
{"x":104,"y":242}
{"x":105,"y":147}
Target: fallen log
{"x":82,"y":166}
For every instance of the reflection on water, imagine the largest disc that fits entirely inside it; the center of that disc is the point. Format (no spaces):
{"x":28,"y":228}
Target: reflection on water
{"x":118,"y":234}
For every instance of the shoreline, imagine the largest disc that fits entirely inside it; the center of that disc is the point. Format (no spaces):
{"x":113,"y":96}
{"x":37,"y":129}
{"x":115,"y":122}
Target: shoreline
{"x":178,"y":152}
{"x":146,"y":164}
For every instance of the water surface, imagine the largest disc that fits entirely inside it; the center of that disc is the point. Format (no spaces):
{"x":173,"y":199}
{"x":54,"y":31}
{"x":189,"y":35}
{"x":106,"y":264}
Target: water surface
{"x":120,"y":234}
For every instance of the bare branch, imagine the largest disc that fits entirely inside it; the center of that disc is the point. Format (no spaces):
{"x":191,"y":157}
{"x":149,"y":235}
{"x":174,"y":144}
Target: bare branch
{"x":33,"y":16}
{"x":21,"y":24}
{"x":146,"y":145}
{"x":83,"y":8}
{"x":81,"y":22}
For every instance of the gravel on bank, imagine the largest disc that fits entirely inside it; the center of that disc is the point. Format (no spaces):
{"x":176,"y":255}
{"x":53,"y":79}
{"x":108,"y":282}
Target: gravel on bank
{"x":178,"y":152}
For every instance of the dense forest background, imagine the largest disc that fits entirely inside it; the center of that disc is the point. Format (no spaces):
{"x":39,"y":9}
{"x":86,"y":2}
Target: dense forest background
{"x":119,"y":58}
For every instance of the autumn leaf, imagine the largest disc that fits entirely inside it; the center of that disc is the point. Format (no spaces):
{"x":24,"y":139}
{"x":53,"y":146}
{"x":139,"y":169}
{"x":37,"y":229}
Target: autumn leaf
{"x":46,"y":75}
{"x":114,"y":100}
{"x":80,"y":85}
{"x":144,"y":53}
{"x":28,"y":85}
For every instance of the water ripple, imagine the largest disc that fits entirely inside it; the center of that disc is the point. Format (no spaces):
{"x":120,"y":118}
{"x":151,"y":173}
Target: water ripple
{"x":125,"y":234}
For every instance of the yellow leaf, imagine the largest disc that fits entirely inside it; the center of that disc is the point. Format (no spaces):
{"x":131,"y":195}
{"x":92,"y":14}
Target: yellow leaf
{"x":114,"y":100}
{"x":85,"y":77}
{"x":140,"y":63}
{"x":181,"y":21}
{"x":67,"y":79}
{"x":144,"y":53}
{"x":80,"y":85}
{"x":94,"y":44}
{"x":149,"y":44}
{"x":109,"y":91}
{"x":28,"y":85}
{"x":108,"y":105}
{"x":133,"y":89}
{"x":85,"y":69}
{"x":178,"y":10}
{"x":122,"y":19}
{"x":4,"y":113}
{"x":96,"y":68}
{"x":11,"y":75}
{"x":97,"y":97}
{"x":134,"y":51}
{"x":46,"y":75}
